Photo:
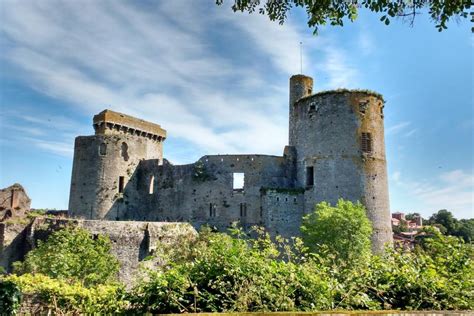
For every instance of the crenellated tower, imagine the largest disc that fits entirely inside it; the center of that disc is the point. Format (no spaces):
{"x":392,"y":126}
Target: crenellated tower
{"x":105,"y":162}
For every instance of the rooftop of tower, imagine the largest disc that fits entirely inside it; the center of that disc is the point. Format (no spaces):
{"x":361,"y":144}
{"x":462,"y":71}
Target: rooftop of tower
{"x":343,"y":90}
{"x":115,"y":119}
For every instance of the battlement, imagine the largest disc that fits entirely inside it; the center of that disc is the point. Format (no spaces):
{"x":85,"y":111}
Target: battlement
{"x":110,"y":122}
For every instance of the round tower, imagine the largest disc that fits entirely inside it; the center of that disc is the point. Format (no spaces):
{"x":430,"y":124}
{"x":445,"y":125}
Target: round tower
{"x":104,"y":174}
{"x":339,"y":141}
{"x":300,"y":86}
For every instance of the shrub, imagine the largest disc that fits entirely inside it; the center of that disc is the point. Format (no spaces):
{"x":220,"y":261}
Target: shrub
{"x":342,"y":231}
{"x":62,"y":296}
{"x":10,"y":297}
{"x":72,"y":254}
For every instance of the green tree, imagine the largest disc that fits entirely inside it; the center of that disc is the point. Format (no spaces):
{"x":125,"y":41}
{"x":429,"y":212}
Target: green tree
{"x":446,"y":219}
{"x":344,"y":230}
{"x":334,"y":12}
{"x":465,"y":229}
{"x":72,"y":254}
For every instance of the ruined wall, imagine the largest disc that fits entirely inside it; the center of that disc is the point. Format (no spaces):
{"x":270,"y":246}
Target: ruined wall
{"x":328,"y":131}
{"x":282,"y":211}
{"x":203,"y":193}
{"x":14,"y":202}
{"x":132,"y":242}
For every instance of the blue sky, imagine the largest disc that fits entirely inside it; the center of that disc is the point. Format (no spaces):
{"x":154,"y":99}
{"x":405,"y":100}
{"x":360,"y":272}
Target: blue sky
{"x":217,"y":81}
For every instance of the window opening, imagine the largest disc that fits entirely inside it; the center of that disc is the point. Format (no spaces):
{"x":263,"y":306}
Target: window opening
{"x":124,"y":151}
{"x":243,"y":209}
{"x":121,"y":184}
{"x":310,"y":176}
{"x":103,"y":149}
{"x":212,"y":210}
{"x":238,"y":180}
{"x":363,"y":106}
{"x":310,"y":91}
{"x":366,"y":142}
{"x":151,"y":186}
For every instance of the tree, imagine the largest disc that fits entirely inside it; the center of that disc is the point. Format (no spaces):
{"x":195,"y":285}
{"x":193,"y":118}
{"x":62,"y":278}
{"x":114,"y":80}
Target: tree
{"x":344,"y":230}
{"x":72,"y":254}
{"x":446,"y":219}
{"x":465,"y":229}
{"x":321,"y":12}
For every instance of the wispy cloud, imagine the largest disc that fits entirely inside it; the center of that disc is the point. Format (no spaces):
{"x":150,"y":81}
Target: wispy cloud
{"x":397,"y":128}
{"x":452,"y":190}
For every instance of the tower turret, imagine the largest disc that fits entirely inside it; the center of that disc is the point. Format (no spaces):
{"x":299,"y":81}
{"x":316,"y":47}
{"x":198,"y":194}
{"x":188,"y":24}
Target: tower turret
{"x":105,"y":163}
{"x":300,"y":86}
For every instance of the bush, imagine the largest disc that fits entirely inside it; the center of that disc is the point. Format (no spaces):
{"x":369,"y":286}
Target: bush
{"x":343,"y":231}
{"x":61,"y":296}
{"x":232,"y":273}
{"x":72,"y":254}
{"x":10,"y":297}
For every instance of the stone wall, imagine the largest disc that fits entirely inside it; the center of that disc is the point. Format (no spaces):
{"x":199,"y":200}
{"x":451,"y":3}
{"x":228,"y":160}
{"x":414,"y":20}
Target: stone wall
{"x":203,"y":193}
{"x":102,"y":164}
{"x":132,"y":242}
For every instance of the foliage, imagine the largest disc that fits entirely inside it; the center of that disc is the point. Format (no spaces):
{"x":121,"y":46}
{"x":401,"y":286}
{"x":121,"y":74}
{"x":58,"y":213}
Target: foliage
{"x":217,"y":272}
{"x":72,"y":254}
{"x":231,"y":273}
{"x":449,"y":225}
{"x":10,"y":297}
{"x":334,"y":12}
{"x":343,"y":230}
{"x":62,"y":296}
{"x":200,"y":173}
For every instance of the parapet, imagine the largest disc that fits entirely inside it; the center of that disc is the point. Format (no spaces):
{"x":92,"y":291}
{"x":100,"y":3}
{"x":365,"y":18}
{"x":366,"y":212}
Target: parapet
{"x":110,"y":122}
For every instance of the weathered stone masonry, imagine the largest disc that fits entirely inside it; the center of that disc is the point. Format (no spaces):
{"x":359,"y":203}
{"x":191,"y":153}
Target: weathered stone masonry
{"x":336,"y":150}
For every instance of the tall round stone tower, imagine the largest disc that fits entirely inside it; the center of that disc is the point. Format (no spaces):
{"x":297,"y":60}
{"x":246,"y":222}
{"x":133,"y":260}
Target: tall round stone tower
{"x":105,"y":164}
{"x":339,"y":141}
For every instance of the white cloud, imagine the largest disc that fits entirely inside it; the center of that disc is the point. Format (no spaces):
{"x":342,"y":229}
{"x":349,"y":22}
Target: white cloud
{"x":451,"y":190}
{"x":161,"y":63}
{"x":397,"y":128}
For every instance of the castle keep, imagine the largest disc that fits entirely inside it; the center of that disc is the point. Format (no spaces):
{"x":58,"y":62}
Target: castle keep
{"x":336,"y":150}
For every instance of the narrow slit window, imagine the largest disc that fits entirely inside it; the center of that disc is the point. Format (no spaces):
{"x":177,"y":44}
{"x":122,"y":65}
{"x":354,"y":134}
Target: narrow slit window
{"x":121,"y":184}
{"x":103,"y":149}
{"x":238,"y":180}
{"x":212,"y":210}
{"x":310,"y":176}
{"x":366,"y":142}
{"x":243,"y":209}
{"x":310,"y":91}
{"x":151,"y":186}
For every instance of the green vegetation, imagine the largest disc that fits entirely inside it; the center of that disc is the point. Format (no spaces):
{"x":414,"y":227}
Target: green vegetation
{"x":335,"y":12}
{"x":449,"y":225}
{"x":65,"y":297}
{"x":342,"y":231}
{"x":72,"y":254}
{"x":200,"y":173}
{"x":219,"y":272}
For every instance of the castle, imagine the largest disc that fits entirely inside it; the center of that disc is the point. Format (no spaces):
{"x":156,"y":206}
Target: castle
{"x":336,"y":150}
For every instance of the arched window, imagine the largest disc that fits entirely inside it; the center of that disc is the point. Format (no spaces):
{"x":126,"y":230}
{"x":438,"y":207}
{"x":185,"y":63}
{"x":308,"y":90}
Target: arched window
{"x":151,"y":187}
{"x":103,"y":149}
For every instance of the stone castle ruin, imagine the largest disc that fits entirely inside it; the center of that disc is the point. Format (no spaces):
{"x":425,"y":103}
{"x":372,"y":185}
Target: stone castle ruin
{"x":336,"y":150}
